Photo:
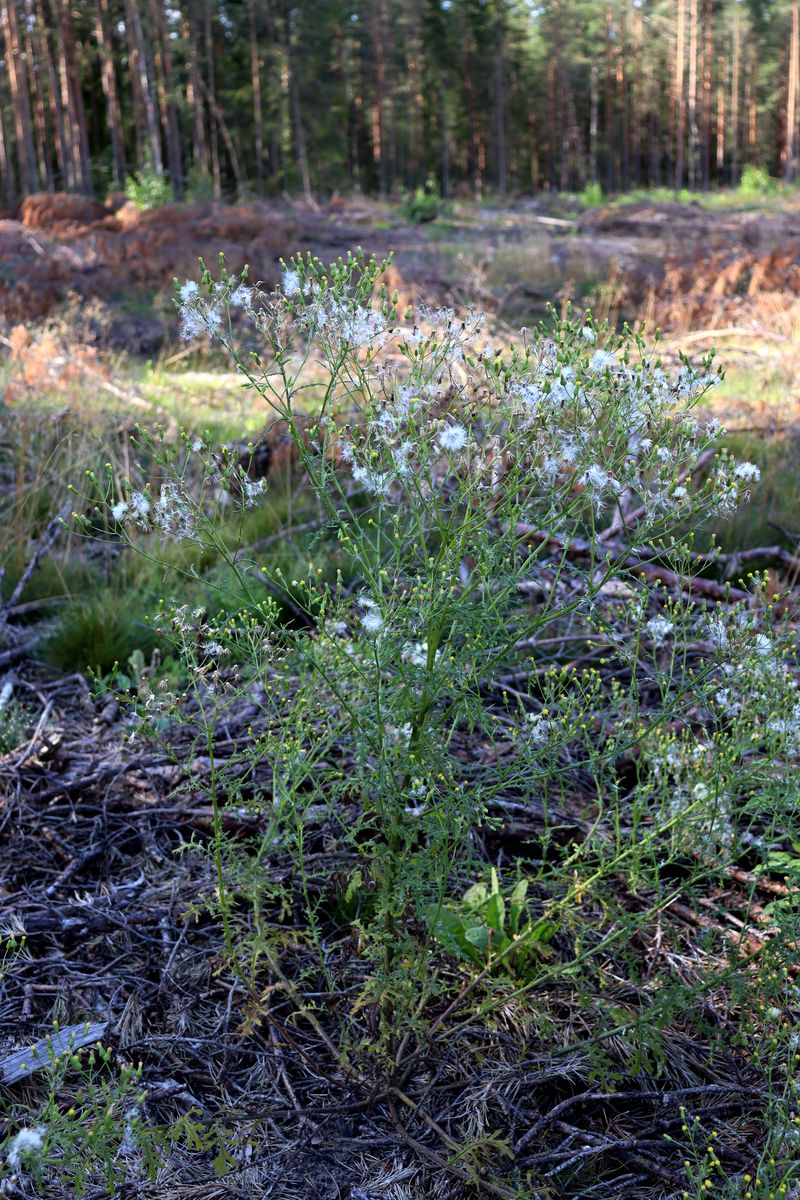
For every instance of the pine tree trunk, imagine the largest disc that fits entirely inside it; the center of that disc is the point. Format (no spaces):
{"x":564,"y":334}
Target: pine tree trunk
{"x":791,"y":95}
{"x":680,"y":99}
{"x":226,"y":136}
{"x":379,"y":89}
{"x":609,"y":107}
{"x":636,"y":94}
{"x":6,"y":166}
{"x":623,"y":105}
{"x":535,"y":166}
{"x":735,"y":64}
{"x":255,"y":83}
{"x":193,"y":98}
{"x":20,"y":100}
{"x":297,"y":116}
{"x":445,"y":140}
{"x":500,"y":102}
{"x":693,"y":131}
{"x":708,"y":63}
{"x":109,"y":78}
{"x":594,"y":101}
{"x":72,"y":103}
{"x":164,"y":82}
{"x":44,"y":24}
{"x":211,"y":92}
{"x":36,"y":90}
{"x":752,"y":122}
{"x":141,"y":67}
{"x":720,"y":156}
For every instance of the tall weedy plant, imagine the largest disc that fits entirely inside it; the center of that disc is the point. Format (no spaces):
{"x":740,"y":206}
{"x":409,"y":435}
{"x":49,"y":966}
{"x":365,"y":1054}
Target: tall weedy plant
{"x":495,"y":635}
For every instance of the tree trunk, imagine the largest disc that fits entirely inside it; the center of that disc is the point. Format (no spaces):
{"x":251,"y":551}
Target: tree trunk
{"x":379,"y":89}
{"x":164,"y":81}
{"x":693,"y":131}
{"x":297,"y":115}
{"x":193,"y":98}
{"x":752,"y":122}
{"x":636,"y":94}
{"x":109,"y":78}
{"x":6,"y":166}
{"x":72,"y":102}
{"x":225,"y":133}
{"x":720,"y":118}
{"x":445,"y":140}
{"x":594,"y":102}
{"x":211,"y":92}
{"x":255,"y":83}
{"x":791,"y":95}
{"x":141,"y":68}
{"x":535,"y":166}
{"x":680,"y":99}
{"x":735,"y":62}
{"x":708,"y":63}
{"x":609,"y":106}
{"x":44,"y":24}
{"x":623,"y":106}
{"x":37,"y":93}
{"x":500,"y":102}
{"x":20,"y":100}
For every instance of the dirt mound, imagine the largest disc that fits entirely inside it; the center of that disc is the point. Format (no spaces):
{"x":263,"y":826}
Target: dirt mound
{"x":748,"y":288}
{"x":45,"y":210}
{"x":151,"y":248}
{"x":36,"y":272}
{"x":645,"y":215}
{"x":71,"y":245}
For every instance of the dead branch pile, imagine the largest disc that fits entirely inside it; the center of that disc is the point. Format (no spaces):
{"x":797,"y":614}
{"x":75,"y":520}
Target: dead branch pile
{"x":60,"y":213}
{"x":740,"y":290}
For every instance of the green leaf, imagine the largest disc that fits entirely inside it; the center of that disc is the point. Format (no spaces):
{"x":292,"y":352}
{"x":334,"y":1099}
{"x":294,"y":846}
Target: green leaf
{"x":542,"y":931}
{"x":518,"y":906}
{"x":478,"y":935}
{"x":222,"y":1162}
{"x":449,"y":931}
{"x":475,"y":896}
{"x":354,"y":883}
{"x":496,"y":912}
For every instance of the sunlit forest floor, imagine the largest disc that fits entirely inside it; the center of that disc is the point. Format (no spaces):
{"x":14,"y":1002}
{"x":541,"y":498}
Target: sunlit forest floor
{"x":90,"y":350}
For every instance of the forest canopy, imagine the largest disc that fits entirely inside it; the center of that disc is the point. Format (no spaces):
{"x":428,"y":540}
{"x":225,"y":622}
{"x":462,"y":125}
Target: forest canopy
{"x":219,"y":98}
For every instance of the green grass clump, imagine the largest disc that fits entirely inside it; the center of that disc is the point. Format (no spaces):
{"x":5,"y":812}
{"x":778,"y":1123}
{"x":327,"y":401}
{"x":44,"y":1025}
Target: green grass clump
{"x":148,"y":189}
{"x":422,"y":205}
{"x":756,"y":182}
{"x":592,"y":195}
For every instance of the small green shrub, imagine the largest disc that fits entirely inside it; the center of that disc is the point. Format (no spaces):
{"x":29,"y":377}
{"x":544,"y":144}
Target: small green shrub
{"x":148,"y":189}
{"x":592,"y":195}
{"x":422,"y":205}
{"x":88,"y":1126}
{"x":487,"y":925}
{"x":756,"y":181}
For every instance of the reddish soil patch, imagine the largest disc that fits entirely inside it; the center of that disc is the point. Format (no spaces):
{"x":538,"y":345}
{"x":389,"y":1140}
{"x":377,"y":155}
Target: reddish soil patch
{"x":64,"y":246}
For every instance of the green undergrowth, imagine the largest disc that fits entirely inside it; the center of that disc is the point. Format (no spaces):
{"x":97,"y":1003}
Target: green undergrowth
{"x":89,"y":605}
{"x":771,"y":517}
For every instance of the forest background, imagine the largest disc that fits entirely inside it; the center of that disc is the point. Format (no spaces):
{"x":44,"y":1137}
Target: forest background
{"x":221,"y":98}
